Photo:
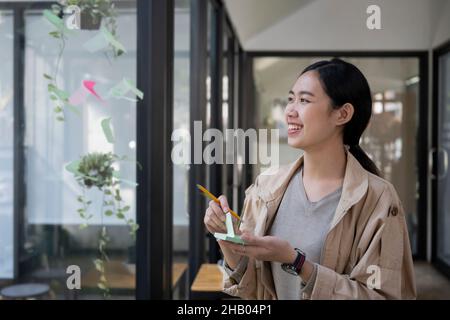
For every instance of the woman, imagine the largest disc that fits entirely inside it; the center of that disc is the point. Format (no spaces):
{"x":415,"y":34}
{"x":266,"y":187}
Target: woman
{"x":327,"y":226}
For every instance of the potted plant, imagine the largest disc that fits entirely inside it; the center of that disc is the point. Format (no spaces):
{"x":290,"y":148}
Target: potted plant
{"x":92,"y":12}
{"x":97,"y":170}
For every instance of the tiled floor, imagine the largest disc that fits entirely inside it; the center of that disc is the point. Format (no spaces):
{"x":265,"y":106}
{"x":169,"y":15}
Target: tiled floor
{"x":431,"y":284}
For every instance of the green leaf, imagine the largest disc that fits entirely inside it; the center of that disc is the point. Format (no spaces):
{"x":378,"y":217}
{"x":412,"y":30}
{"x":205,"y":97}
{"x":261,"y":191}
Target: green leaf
{"x":108,"y":213}
{"x":98,"y":264}
{"x":126,"y":208}
{"x":57,"y":109}
{"x":47,"y":76}
{"x":60,"y":118}
{"x":120,"y":215}
{"x":108,"y":192}
{"x":83,"y":226}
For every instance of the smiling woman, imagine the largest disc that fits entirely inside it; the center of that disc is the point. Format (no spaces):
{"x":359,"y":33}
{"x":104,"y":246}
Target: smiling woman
{"x":308,"y":237}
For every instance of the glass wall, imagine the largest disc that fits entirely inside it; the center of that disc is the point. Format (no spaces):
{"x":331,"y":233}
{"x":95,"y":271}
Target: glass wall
{"x":80,"y":151}
{"x":181,"y":123}
{"x":390,"y":139}
{"x":442,"y":176}
{"x":6,"y":147}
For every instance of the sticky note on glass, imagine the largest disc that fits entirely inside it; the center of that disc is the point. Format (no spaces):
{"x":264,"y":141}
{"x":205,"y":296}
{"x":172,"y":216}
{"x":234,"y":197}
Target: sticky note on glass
{"x":102,"y":40}
{"x":229,"y":236}
{"x":124,"y":87}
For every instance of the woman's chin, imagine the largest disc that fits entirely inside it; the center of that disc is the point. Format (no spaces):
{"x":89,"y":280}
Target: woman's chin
{"x":295,"y":143}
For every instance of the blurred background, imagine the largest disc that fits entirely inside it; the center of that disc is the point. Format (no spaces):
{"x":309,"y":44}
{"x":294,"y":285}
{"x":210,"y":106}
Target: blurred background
{"x":229,"y":64}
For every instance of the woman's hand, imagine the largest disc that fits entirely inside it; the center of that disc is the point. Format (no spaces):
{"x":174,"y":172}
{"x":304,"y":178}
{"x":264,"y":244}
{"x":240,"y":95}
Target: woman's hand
{"x":267,"y":248}
{"x":214,"y":219}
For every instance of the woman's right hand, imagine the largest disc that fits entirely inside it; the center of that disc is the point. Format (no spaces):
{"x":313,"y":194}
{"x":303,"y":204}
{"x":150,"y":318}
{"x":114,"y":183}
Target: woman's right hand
{"x":215,"y":215}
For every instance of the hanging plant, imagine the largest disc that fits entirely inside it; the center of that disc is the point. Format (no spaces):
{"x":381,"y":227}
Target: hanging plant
{"x":93,"y":13}
{"x":97,"y":170}
{"x":58,"y":96}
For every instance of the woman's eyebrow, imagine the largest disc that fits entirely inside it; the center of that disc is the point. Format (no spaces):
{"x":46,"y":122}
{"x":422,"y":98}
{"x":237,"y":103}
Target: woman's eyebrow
{"x":302,"y":92}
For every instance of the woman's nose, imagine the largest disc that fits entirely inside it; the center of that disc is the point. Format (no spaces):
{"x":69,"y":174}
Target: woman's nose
{"x":291,"y":112}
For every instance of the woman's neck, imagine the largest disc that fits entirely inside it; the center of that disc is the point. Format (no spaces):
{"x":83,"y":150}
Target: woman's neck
{"x":325,"y":162}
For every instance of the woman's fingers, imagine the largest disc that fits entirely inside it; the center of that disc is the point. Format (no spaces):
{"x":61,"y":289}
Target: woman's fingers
{"x":217,"y":210}
{"x":224,"y":203}
{"x":215,"y":220}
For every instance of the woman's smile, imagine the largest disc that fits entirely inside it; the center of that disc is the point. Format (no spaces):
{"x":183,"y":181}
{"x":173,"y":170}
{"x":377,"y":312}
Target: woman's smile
{"x":294,"y":129}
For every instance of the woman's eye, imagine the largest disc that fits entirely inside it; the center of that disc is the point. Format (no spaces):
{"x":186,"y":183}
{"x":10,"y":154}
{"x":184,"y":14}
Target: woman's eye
{"x":290,"y":99}
{"x":303,"y":100}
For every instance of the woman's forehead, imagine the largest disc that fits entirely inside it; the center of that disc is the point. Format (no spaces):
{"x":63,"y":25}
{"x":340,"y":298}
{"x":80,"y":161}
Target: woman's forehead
{"x":309,"y":81}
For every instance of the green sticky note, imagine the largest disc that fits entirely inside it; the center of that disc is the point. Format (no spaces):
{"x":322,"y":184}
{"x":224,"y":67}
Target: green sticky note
{"x":57,"y":22}
{"x":73,"y":167}
{"x":101,"y":40}
{"x":54,"y":19}
{"x":229,"y":236}
{"x":106,"y":126}
{"x":112,"y":40}
{"x":132,"y":87}
{"x":123,"y":87}
{"x":128,"y":182}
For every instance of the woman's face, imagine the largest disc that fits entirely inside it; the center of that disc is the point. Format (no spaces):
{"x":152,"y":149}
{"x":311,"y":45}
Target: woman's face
{"x":309,"y":114}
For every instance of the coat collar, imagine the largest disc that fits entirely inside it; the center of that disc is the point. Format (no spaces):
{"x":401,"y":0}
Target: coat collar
{"x":356,"y":179}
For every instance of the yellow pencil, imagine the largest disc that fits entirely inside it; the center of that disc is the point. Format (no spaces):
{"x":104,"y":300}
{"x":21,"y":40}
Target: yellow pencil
{"x":212,"y":197}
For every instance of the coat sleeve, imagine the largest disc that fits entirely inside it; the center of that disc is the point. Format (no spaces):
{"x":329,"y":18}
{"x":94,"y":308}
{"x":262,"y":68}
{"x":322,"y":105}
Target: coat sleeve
{"x":385,"y":269}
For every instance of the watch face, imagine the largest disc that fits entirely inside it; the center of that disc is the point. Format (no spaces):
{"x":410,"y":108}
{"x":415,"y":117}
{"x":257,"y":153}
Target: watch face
{"x":289,"y":269}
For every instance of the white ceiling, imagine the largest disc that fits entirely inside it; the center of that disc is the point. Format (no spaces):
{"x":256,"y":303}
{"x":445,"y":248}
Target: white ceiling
{"x":299,"y":25}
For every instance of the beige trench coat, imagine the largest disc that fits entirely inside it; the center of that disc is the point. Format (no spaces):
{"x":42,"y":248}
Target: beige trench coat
{"x":368,"y":229}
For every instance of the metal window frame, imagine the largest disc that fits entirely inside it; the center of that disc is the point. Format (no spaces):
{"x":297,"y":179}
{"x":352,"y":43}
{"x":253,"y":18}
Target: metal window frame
{"x":197,"y":110}
{"x":441,"y":265}
{"x":154,"y":128}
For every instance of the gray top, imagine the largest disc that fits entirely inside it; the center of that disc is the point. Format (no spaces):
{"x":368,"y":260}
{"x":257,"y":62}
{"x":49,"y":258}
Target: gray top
{"x":305,"y":225}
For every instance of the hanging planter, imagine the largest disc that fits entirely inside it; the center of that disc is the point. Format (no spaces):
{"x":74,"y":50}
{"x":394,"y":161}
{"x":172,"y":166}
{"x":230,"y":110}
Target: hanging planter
{"x":97,"y":170}
{"x":90,"y":21}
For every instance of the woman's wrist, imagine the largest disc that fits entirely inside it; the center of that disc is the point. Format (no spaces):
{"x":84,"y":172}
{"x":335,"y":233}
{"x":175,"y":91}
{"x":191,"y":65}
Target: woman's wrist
{"x":307,"y":268}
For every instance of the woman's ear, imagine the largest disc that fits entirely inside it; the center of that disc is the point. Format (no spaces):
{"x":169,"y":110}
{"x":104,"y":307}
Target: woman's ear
{"x":344,"y":114}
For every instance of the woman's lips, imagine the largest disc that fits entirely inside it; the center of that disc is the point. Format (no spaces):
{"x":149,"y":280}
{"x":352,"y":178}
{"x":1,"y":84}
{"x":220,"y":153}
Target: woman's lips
{"x":294,"y":129}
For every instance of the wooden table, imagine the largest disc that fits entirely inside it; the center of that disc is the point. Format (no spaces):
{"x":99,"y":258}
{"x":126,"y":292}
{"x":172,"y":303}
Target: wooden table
{"x":208,"y":283}
{"x":119,"y":276}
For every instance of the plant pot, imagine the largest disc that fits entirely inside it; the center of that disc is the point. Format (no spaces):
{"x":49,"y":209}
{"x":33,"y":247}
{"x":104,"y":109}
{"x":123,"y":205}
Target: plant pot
{"x":88,"y":22}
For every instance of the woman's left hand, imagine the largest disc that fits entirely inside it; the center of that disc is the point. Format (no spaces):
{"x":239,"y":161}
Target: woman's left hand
{"x":267,"y":248}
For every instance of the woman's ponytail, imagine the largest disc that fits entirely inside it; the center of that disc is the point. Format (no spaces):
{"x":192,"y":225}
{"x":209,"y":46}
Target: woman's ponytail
{"x":364,"y":159}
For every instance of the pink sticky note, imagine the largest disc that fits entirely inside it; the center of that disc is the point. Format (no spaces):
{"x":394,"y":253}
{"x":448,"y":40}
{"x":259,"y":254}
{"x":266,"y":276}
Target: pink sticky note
{"x":89,"y":85}
{"x":78,"y":97}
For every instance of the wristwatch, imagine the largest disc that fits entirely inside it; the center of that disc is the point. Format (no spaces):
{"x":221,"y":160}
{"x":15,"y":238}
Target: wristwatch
{"x":296,"y":267}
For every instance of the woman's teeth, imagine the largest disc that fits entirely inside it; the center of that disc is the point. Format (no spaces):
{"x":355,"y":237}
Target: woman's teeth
{"x":294,"y":127}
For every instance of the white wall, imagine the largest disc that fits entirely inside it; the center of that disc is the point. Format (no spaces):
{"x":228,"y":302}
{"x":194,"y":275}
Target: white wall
{"x":442,"y":33}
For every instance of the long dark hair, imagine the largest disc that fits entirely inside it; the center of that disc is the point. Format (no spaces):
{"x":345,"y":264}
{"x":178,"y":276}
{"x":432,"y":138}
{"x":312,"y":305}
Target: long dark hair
{"x":345,"y":83}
